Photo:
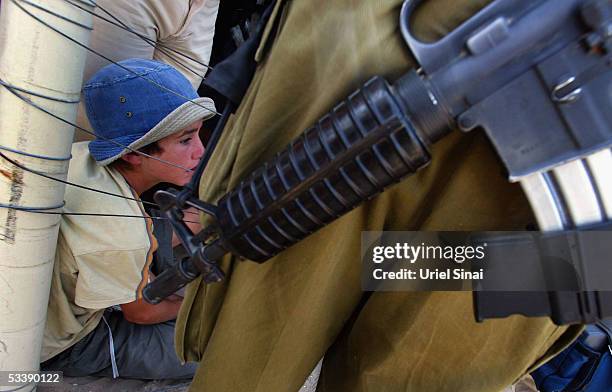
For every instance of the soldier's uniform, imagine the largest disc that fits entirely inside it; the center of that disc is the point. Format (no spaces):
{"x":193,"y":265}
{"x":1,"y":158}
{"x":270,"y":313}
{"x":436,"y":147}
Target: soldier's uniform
{"x":265,"y":328}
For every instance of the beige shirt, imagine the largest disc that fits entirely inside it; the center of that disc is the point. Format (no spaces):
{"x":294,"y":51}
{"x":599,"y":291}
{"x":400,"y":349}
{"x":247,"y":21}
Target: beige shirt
{"x":171,"y":26}
{"x":99,"y":261}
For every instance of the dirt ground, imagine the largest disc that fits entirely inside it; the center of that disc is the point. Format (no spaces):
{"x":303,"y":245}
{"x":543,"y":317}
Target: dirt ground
{"x":102,"y":384}
{"x":98,"y":384}
{"x":105,"y":384}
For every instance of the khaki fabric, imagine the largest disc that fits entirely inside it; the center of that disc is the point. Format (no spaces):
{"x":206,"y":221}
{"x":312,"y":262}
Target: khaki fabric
{"x":266,"y":327}
{"x":99,"y":261}
{"x":179,"y":32}
{"x":183,"y":26}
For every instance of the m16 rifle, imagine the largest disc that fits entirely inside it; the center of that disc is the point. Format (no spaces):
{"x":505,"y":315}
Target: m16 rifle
{"x":534,"y":74}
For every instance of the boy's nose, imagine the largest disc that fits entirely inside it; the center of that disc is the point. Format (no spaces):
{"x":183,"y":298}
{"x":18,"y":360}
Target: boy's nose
{"x":198,"y":151}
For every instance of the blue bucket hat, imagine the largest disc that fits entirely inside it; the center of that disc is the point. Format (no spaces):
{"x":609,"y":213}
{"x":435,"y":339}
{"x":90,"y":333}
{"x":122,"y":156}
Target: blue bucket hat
{"x":137,"y":108}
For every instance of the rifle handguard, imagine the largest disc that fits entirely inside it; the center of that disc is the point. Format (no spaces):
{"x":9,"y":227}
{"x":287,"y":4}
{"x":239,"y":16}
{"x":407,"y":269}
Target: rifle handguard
{"x":354,"y":152}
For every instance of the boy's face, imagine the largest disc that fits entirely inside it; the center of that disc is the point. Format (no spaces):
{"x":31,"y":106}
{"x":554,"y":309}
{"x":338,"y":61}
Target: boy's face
{"x":183,"y":148}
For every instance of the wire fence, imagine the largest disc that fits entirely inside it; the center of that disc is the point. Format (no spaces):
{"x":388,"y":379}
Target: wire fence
{"x":19,"y":92}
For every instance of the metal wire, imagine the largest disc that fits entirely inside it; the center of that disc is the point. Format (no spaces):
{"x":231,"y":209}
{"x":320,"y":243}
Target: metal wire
{"x":57,"y":15}
{"x":88,"y":3}
{"x":5,"y":84}
{"x":38,"y":173}
{"x":17,"y":164}
{"x":45,"y":210}
{"x":27,"y":154}
{"x":109,"y":60}
{"x":28,"y":101}
{"x":31,"y":209}
{"x":13,"y":89}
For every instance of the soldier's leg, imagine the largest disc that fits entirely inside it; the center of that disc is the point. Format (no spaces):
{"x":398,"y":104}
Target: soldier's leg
{"x":430,"y":341}
{"x":271,"y":323}
{"x":420,"y":341}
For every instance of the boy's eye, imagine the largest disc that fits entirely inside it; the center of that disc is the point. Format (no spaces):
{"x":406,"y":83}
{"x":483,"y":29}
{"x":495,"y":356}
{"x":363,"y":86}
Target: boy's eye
{"x":186,"y":141}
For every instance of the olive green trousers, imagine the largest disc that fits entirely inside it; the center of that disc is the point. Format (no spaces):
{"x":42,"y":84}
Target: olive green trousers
{"x":266,"y":326}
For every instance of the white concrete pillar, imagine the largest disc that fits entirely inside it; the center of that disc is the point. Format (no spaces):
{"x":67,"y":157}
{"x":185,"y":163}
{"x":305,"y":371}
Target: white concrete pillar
{"x":35,"y":58}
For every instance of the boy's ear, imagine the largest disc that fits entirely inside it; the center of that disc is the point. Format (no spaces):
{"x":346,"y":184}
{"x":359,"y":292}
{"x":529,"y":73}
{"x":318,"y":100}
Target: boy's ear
{"x":132,"y":158}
